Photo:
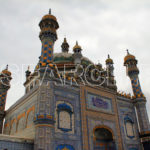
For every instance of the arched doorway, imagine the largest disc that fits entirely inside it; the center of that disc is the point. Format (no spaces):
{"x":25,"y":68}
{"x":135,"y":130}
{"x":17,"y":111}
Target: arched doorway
{"x":103,"y":139}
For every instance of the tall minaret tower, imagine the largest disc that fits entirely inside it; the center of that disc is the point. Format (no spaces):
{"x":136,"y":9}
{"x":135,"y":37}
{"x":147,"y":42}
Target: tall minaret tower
{"x":5,"y":77}
{"x":44,"y":120}
{"x":48,"y":36}
{"x":139,"y":100}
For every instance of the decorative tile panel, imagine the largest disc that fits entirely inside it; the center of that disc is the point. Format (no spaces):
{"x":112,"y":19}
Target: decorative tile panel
{"x":99,"y":103}
{"x":64,"y":147}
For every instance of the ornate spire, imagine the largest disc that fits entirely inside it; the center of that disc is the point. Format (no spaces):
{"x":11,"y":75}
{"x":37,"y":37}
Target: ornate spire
{"x":65,"y":46}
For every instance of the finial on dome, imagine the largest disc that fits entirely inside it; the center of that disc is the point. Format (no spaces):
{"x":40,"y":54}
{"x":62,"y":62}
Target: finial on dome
{"x":127,"y":51}
{"x":50,"y":11}
{"x":76,"y":42}
{"x":7,"y":67}
{"x":65,"y":40}
{"x":108,"y":56}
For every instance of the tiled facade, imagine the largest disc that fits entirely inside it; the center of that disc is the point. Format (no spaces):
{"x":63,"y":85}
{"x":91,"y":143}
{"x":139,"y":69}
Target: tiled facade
{"x":15,"y":143}
{"x":93,"y":118}
{"x":57,"y":116}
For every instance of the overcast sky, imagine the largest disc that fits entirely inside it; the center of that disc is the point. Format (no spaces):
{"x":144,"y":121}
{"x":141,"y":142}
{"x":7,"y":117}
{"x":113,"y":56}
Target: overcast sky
{"x":101,"y":27}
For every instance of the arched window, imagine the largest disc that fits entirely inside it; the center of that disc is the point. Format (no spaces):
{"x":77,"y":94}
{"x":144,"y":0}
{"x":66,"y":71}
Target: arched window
{"x":129,"y":127}
{"x":64,"y":112}
{"x":20,"y":124}
{"x":30,"y":118}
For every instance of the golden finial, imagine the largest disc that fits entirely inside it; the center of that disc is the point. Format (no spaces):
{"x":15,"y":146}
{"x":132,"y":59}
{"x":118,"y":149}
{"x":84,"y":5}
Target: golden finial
{"x":65,"y":40}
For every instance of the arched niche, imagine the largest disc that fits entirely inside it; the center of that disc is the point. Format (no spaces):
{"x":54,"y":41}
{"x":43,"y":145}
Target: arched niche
{"x":129,"y":127}
{"x":30,"y":116}
{"x":64,"y":117}
{"x":13,"y":127}
{"x":21,"y":122}
{"x":103,"y":138}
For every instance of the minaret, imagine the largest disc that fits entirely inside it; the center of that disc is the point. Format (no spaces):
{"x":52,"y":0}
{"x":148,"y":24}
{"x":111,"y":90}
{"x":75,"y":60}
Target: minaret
{"x":48,"y":36}
{"x":44,"y":120}
{"x":139,"y":100}
{"x":5,"y":77}
{"x":77,"y":53}
{"x":65,"y":46}
{"x":110,"y":72}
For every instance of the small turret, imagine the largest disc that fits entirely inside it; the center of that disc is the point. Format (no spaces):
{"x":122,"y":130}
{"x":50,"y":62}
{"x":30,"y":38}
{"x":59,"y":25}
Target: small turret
{"x":28,"y":72}
{"x":77,"y":53}
{"x":5,"y":78}
{"x":109,"y":65}
{"x":65,"y":46}
{"x":110,"y":72}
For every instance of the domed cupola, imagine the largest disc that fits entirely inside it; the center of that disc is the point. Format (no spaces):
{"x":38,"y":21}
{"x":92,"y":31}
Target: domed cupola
{"x":109,"y":60}
{"x":129,"y":57}
{"x":77,"y":48}
{"x":77,"y":53}
{"x":131,"y":63}
{"x":48,"y":26}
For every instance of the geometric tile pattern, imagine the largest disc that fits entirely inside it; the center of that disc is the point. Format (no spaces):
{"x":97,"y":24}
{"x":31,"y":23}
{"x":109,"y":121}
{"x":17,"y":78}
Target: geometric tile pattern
{"x":136,"y":87}
{"x":47,"y":52}
{"x":2,"y":99}
{"x":9,"y":145}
